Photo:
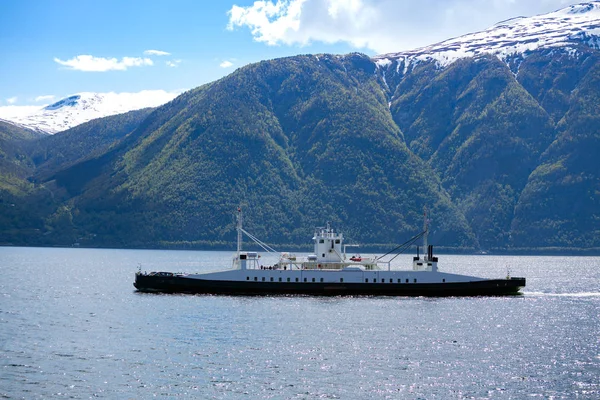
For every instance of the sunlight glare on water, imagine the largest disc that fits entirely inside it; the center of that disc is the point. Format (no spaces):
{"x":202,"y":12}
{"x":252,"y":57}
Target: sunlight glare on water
{"x":71,"y":324}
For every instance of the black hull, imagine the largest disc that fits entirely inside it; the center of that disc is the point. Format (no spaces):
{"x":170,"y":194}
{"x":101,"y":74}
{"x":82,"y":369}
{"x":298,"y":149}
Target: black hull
{"x":182,"y":284}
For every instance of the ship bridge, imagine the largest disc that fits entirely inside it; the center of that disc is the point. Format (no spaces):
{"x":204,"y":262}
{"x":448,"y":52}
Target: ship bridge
{"x":328,"y":245}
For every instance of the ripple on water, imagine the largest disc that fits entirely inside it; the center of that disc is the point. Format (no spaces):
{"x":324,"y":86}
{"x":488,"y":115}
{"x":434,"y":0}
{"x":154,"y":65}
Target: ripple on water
{"x":72,"y":325}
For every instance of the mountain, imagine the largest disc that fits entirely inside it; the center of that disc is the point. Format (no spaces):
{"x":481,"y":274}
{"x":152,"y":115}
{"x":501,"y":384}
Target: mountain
{"x":499,"y":145}
{"x":480,"y":131}
{"x":82,"y":107}
{"x":560,"y":205}
{"x":22,"y":209}
{"x":15,"y":162}
{"x":512,"y":39}
{"x":53,"y":153}
{"x":295,"y":157}
{"x":486,"y":122}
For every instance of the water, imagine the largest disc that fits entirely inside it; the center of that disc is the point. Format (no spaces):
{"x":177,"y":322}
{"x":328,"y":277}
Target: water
{"x":72,"y":326}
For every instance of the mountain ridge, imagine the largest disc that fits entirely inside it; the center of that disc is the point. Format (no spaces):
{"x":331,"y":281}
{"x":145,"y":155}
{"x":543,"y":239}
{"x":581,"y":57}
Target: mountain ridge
{"x":515,"y":37}
{"x":497,"y":150}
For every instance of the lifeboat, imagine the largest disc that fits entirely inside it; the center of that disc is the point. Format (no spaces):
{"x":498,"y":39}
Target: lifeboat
{"x":356,"y":258}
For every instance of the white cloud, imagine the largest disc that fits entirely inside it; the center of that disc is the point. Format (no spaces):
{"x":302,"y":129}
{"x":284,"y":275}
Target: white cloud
{"x":173,"y":63}
{"x":226,"y":64}
{"x":134,"y":100}
{"x":379,"y":25}
{"x":101,"y":64}
{"x":11,"y":100}
{"x":48,"y":97}
{"x":156,"y":53}
{"x":11,"y":113}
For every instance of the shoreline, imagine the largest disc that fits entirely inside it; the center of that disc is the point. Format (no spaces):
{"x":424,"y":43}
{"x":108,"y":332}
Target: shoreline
{"x":370,"y":249}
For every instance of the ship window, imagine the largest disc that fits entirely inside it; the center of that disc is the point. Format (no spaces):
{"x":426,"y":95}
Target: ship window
{"x":399,"y":280}
{"x":247,"y":278}
{"x":341,"y":279}
{"x":313,"y":279}
{"x":391,"y":280}
{"x":367,"y":280}
{"x":321,"y":279}
{"x":415,"y":280}
{"x":304,"y":279}
{"x":279,"y":279}
{"x":406,"y":280}
{"x":271,"y":279}
{"x":288,"y":279}
{"x":321,"y":241}
{"x":323,"y":255}
{"x":382,"y":280}
{"x":263,"y":278}
{"x":255,"y":278}
{"x":337,"y":241}
{"x":443,"y":280}
{"x":296,"y":279}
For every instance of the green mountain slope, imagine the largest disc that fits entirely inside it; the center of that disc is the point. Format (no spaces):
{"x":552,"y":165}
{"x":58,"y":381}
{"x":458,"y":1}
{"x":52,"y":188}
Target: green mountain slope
{"x":300,"y":141}
{"x":36,"y":212}
{"x":502,"y":154}
{"x":481,"y":132}
{"x":15,"y":163}
{"x":560,"y":206}
{"x":56,"y":152}
{"x":551,"y":76}
{"x":21,"y":204}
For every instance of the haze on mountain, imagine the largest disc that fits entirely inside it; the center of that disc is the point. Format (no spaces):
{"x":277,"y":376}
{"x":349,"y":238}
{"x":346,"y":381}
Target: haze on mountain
{"x":495,"y":133}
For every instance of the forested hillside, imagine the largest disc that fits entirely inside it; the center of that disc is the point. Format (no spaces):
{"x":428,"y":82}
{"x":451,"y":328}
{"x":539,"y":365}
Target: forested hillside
{"x":502,"y":153}
{"x":493,"y":131}
{"x":560,"y":206}
{"x":295,"y":158}
{"x":22,"y":205}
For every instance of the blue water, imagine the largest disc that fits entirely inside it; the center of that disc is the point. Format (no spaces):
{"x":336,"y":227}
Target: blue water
{"x":72,"y":326}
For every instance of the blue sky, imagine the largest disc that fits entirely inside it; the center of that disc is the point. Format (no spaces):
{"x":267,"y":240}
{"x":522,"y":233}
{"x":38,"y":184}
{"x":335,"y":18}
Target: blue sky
{"x":55,"y":48}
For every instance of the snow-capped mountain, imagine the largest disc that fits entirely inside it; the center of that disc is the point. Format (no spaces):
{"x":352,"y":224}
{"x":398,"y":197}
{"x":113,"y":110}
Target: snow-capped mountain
{"x":83,"y":107}
{"x":570,"y":26}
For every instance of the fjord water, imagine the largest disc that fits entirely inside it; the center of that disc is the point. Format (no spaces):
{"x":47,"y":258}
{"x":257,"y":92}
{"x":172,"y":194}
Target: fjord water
{"x":72,"y":325}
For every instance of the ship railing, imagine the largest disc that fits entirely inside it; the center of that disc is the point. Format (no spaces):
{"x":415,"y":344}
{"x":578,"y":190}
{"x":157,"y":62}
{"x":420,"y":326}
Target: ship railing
{"x":385,"y":264}
{"x":329,"y":266}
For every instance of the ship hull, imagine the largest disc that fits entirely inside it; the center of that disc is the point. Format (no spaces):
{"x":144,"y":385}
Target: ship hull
{"x":183,"y":284}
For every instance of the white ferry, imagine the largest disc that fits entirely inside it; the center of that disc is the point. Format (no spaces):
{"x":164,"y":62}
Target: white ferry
{"x":328,"y":271}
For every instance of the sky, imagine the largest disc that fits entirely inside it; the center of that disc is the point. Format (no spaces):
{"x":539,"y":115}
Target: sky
{"x":52,"y":49}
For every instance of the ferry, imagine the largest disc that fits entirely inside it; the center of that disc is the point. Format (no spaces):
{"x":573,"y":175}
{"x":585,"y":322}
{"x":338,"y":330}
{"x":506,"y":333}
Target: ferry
{"x":328,"y":272}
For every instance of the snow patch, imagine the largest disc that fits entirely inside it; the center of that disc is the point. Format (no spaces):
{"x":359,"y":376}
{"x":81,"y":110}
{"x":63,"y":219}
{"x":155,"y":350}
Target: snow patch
{"x":383,"y":62}
{"x":578,"y":23}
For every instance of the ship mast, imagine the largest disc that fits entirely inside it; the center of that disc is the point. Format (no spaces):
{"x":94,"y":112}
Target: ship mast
{"x":426,"y":230}
{"x":239,"y":232}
